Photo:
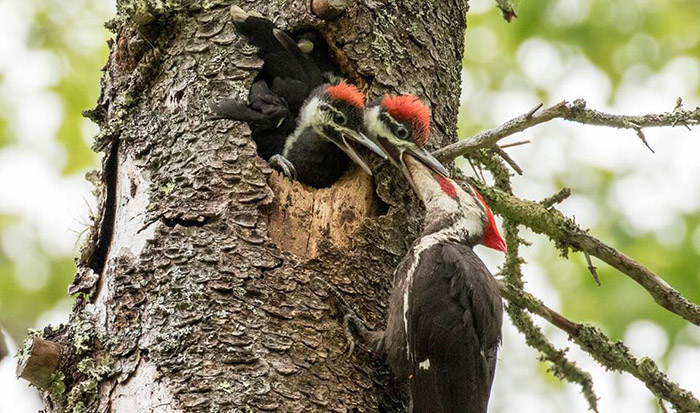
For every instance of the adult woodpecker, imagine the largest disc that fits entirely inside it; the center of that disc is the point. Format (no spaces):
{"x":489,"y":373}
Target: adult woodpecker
{"x":445,"y":310}
{"x":304,"y":127}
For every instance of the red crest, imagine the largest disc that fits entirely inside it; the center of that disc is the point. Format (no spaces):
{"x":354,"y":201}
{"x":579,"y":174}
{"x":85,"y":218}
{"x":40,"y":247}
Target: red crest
{"x":409,"y":108}
{"x":492,"y":238}
{"x":348,"y":93}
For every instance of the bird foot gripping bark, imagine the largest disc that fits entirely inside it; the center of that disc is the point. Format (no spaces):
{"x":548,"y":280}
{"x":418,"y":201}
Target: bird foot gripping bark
{"x":283,"y":165}
{"x":352,"y":324}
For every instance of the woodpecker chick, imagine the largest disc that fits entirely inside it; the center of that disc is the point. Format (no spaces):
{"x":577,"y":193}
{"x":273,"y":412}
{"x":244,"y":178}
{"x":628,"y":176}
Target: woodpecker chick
{"x":329,"y":120}
{"x":445,"y":310}
{"x":301,"y":125}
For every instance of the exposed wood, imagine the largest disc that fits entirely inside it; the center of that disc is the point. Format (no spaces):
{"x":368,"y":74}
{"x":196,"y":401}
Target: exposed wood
{"x":301,"y":217}
{"x":39,"y":361}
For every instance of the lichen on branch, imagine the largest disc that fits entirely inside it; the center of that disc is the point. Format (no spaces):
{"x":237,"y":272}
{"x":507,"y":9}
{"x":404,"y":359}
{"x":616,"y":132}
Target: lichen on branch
{"x":541,"y":217}
{"x":566,"y":234}
{"x":612,"y":355}
{"x":574,"y":112}
{"x":560,"y":366}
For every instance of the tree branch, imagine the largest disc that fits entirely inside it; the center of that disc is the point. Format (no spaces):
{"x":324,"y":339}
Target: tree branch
{"x":566,"y":234}
{"x":560,"y":366}
{"x":614,"y":355}
{"x":574,"y":112}
{"x":542,"y":218}
{"x":507,"y":10}
{"x":38,"y":361}
{"x":3,"y":346}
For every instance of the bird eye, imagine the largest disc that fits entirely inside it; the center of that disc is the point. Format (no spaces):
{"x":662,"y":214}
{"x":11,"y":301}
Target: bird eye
{"x":340,"y":119}
{"x":402,"y":132}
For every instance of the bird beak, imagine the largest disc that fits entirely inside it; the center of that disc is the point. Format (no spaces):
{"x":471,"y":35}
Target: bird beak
{"x":397,"y":151}
{"x":346,"y":135}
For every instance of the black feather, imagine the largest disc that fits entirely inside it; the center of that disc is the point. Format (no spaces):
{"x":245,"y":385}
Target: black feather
{"x":286,"y":81}
{"x":454,"y":317}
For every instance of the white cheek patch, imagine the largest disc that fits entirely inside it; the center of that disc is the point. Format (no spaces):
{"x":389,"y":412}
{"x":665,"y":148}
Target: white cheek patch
{"x":374,"y":125}
{"x":307,"y":118}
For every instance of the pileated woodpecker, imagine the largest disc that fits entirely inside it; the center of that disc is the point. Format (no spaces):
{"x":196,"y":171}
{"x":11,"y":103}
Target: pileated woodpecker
{"x":445,"y":311}
{"x":301,"y":125}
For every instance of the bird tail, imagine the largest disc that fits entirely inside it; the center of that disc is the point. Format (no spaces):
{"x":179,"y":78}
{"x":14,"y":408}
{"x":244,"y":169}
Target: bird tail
{"x":460,"y":386}
{"x":281,"y":55}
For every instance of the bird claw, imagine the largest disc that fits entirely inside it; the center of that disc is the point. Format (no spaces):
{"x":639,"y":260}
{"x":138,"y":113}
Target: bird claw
{"x":283,"y":165}
{"x":352,"y":324}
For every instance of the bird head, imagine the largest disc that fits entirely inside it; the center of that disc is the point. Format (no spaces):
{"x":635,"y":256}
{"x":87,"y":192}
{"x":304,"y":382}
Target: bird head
{"x":335,"y":113}
{"x":400,"y":125}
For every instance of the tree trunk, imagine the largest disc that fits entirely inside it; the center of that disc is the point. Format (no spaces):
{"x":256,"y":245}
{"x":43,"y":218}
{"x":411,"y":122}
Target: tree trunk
{"x":199,"y":288}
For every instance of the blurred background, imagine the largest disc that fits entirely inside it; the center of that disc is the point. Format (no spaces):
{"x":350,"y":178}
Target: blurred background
{"x":622,"y":56}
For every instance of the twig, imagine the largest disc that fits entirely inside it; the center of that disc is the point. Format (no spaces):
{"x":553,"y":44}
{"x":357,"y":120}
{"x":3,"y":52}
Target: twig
{"x":507,"y":11}
{"x":557,"y":198}
{"x":592,"y":268}
{"x":613,"y":355}
{"x":513,"y":144}
{"x":574,"y":112}
{"x":477,"y":170}
{"x":566,"y":234}
{"x":503,"y":154}
{"x":643,"y":138}
{"x":560,"y":366}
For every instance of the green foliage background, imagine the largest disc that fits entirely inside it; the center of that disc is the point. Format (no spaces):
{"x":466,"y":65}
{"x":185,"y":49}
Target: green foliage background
{"x":72,"y":32}
{"x":618,"y":37}
{"x":613,"y":35}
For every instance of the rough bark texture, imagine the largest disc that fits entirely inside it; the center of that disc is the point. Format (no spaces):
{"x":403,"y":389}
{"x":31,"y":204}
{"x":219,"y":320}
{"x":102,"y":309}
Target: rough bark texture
{"x":186,"y":302}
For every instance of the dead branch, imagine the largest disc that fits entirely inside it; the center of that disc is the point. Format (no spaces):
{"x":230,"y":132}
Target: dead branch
{"x":560,"y":366}
{"x":567,"y":234}
{"x":510,"y":161}
{"x":513,"y":144}
{"x":592,"y":268}
{"x":613,"y":355}
{"x":38,"y":361}
{"x":574,"y":112}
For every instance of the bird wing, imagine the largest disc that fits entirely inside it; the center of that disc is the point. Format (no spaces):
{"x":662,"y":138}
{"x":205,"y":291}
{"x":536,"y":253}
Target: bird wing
{"x":266,"y":110}
{"x":281,"y":56}
{"x":454,"y":318}
{"x":311,"y":73}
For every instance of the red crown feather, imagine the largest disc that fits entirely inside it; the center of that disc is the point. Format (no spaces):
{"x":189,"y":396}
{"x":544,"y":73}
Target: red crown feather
{"x":348,"y":93}
{"x":492,"y":238}
{"x":409,"y":108}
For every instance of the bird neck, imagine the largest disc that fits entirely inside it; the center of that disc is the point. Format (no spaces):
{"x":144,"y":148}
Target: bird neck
{"x":449,"y":210}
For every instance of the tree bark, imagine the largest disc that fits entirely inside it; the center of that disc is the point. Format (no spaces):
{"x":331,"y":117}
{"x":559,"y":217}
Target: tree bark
{"x":194,"y":290}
